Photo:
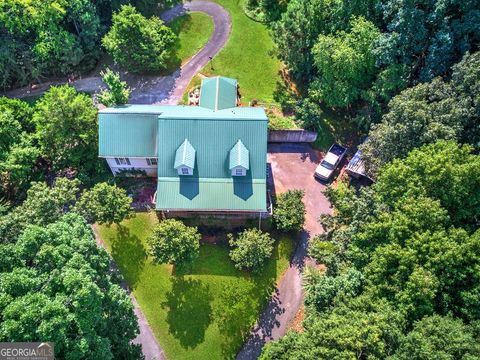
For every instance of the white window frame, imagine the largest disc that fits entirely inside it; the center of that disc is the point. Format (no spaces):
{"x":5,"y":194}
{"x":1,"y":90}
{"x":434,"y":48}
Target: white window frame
{"x":152,"y":162}
{"x":122,"y":161}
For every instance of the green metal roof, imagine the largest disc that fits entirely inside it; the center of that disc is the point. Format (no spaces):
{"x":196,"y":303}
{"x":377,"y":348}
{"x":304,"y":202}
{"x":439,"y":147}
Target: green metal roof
{"x":188,"y":193}
{"x":126,"y":135}
{"x":212,"y":140}
{"x":218,"y":93}
{"x":239,"y":156}
{"x":185,"y":155}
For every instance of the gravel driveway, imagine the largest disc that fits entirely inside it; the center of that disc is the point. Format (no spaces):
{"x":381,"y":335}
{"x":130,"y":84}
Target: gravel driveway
{"x":292,"y":168}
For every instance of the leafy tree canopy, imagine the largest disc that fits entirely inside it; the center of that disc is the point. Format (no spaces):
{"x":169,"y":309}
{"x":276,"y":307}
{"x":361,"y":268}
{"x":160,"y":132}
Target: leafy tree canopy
{"x":105,"y":204}
{"x":289,"y":212}
{"x":427,"y":113}
{"x":251,"y":249}
{"x":345,"y":64}
{"x":137,"y":43}
{"x":57,"y":287}
{"x":67,"y":129}
{"x":118,"y":91}
{"x":172,"y":242}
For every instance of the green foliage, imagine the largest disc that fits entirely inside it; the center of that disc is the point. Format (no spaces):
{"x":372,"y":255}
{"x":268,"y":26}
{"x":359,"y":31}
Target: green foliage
{"x":354,"y":329}
{"x":60,"y":289}
{"x":67,"y":128}
{"x":444,"y":171}
{"x":427,"y":113}
{"x":428,"y":36}
{"x":139,"y":44}
{"x":105,"y":204}
{"x":322,"y":290}
{"x":298,"y":29}
{"x":49,"y":38}
{"x":289,"y":212}
{"x":118,"y":92}
{"x":251,"y":249}
{"x":345,"y":64}
{"x":437,"y":337}
{"x":172,"y":242}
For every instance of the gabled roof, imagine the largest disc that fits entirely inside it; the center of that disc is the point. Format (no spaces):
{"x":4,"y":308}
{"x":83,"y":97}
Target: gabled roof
{"x":239,"y":156}
{"x":218,"y":93}
{"x":185,"y":155}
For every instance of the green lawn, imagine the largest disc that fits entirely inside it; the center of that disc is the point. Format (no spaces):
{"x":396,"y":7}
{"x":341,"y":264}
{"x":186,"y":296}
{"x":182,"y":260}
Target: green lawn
{"x":246,"y":56}
{"x":200,"y":313}
{"x":193,"y":30}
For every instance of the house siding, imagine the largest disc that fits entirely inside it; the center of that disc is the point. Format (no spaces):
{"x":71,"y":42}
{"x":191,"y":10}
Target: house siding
{"x":135,"y":163}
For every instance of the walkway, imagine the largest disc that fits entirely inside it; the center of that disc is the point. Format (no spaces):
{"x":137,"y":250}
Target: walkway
{"x":292,"y":168}
{"x":159,"y":89}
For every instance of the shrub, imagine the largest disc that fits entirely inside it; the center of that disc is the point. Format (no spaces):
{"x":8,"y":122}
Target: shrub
{"x":137,"y":43}
{"x":251,"y":249}
{"x":289,"y":213}
{"x":172,"y":242}
{"x":118,"y":91}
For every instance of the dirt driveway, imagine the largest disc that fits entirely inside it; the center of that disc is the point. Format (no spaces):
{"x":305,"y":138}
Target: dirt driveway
{"x":292,"y":167}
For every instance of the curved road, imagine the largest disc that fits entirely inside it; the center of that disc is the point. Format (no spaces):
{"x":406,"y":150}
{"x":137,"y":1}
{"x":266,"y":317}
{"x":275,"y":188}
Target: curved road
{"x":159,"y":89}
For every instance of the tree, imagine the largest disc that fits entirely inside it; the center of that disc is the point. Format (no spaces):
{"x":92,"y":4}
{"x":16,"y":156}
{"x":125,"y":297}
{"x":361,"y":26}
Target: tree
{"x":298,"y":29}
{"x":172,"y":242}
{"x":426,"y":36}
{"x":49,"y":38}
{"x":104,"y":204}
{"x":345,"y":64}
{"x":355,"y":329}
{"x":137,"y":43}
{"x":437,"y":337}
{"x":444,"y":171}
{"x":61,"y":290}
{"x":251,"y":249}
{"x":118,"y":91}
{"x":42,"y":206}
{"x":289,"y":212}
{"x":67,"y":129}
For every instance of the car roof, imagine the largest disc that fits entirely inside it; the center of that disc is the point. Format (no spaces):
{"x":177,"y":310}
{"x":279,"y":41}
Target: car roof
{"x":331,"y":158}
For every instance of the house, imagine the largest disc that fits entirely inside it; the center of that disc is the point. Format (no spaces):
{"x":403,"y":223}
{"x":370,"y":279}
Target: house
{"x":208,"y":158}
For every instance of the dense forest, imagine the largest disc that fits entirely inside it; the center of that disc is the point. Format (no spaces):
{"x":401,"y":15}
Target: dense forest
{"x":402,"y":256}
{"x":56,"y":38}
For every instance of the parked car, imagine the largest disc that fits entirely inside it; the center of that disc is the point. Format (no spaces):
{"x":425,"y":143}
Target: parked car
{"x":330,"y":162}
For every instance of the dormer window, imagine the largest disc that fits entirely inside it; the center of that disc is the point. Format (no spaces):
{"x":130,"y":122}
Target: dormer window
{"x":185,"y":159}
{"x":239,"y":160}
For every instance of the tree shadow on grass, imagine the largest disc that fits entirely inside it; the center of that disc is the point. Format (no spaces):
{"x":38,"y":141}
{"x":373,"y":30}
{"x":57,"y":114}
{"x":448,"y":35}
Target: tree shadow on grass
{"x":130,"y":255}
{"x":189,"y":311}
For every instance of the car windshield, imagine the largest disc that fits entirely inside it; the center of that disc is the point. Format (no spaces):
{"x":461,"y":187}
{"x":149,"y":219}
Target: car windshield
{"x":327,"y":165}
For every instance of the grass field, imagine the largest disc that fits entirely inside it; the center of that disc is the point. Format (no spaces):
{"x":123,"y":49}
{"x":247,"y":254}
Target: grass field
{"x":200,"y":313}
{"x":193,"y":31}
{"x":246,"y":56}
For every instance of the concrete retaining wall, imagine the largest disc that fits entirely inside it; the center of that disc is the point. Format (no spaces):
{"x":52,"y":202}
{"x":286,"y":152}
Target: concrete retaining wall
{"x":294,"y":135}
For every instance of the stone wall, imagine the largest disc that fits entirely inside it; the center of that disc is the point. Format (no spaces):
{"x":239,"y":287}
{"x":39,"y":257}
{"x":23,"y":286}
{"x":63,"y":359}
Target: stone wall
{"x":294,"y":135}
